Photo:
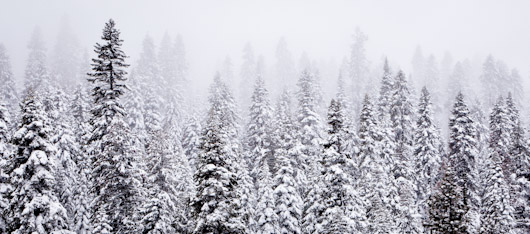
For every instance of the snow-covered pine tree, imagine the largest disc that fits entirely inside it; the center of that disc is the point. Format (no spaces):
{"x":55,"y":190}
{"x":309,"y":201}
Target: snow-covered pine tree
{"x":217,"y":205}
{"x":266,"y":216}
{"x":401,"y":117}
{"x":222,"y":98}
{"x":5,"y":121}
{"x":489,"y":79}
{"x":427,"y":150}
{"x":288,"y":205}
{"x":500,"y":130}
{"x":5,"y":158}
{"x":191,"y":142}
{"x":385,"y":94}
{"x":358,"y":68}
{"x":34,"y":206}
{"x":349,"y":148}
{"x":339,"y":195}
{"x":402,"y":125}
{"x":69,"y":151}
{"x":375,"y":177}
{"x":161,"y":212}
{"x":447,"y":204}
{"x":258,"y":139}
{"x":7,"y":83}
{"x":497,"y":210}
{"x":463,"y":154}
{"x":114,"y":175}
{"x":150,"y":86}
{"x":309,"y":123}
{"x":78,"y":110}
{"x":166,"y":59}
{"x":520,"y":166}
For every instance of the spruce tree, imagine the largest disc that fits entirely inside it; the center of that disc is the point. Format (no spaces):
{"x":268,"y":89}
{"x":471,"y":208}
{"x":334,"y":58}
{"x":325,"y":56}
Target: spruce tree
{"x":375,"y":177}
{"x":258,"y":140}
{"x":288,"y":205}
{"x":217,"y":203}
{"x":81,"y":194}
{"x":266,"y":217}
{"x":7,"y":82}
{"x":5,"y":157}
{"x":463,"y":154}
{"x":114,"y":175}
{"x":309,"y":123}
{"x":34,"y":206}
{"x":340,"y":197}
{"x":191,"y":142}
{"x":385,"y":93}
{"x":161,"y":213}
{"x":401,"y":117}
{"x":497,"y":210}
{"x":427,"y":148}
{"x":223,"y":99}
{"x":68,"y":153}
{"x":447,"y":203}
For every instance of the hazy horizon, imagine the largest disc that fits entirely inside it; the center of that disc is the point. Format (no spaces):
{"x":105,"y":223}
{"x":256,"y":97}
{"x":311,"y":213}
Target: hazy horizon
{"x":213,"y":30}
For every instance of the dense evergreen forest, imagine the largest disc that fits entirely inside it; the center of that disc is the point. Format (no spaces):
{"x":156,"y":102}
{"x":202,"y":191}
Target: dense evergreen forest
{"x":91,"y":145}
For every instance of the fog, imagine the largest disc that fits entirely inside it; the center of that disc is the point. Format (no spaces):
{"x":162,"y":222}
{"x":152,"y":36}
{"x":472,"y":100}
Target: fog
{"x":213,"y":30}
{"x":292,"y":116}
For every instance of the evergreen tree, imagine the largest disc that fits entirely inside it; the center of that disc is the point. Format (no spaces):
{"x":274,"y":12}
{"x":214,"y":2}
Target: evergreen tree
{"x":349,"y":147}
{"x":401,"y":117}
{"x":191,"y":142}
{"x":374,"y":174}
{"x":489,"y":79}
{"x":447,"y":203}
{"x":520,"y":177}
{"x":339,"y":194}
{"x":7,"y":82}
{"x":385,"y":93}
{"x":463,"y":153}
{"x":81,"y":192}
{"x":288,"y":205}
{"x":284,"y":66}
{"x":266,"y":217}
{"x":5,"y":157}
{"x":161,"y":212}
{"x":358,"y":67}
{"x":497,"y":210}
{"x":217,"y":206}
{"x":309,"y":123}
{"x":114,"y":175}
{"x":427,"y":148}
{"x":258,"y":143}
{"x":68,"y":152}
{"x":418,"y":65}
{"x":34,"y":206}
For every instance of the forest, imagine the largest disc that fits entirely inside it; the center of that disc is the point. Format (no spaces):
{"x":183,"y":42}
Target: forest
{"x":93,"y":144}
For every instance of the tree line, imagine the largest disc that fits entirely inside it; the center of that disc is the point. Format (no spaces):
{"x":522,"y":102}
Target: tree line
{"x":124,"y":153}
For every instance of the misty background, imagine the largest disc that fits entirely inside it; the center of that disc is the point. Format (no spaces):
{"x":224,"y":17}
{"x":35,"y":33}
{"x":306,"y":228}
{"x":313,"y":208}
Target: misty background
{"x":214,"y":30}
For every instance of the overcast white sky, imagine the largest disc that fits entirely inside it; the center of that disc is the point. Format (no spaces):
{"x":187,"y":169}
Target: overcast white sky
{"x":214,"y":29}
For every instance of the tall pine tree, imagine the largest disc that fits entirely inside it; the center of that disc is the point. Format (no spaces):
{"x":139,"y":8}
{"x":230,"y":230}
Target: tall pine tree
{"x":114,"y":176}
{"x":34,"y":206}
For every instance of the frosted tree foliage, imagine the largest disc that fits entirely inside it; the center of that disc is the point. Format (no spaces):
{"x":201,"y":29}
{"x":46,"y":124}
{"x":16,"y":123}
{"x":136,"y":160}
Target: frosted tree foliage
{"x":283,"y":141}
